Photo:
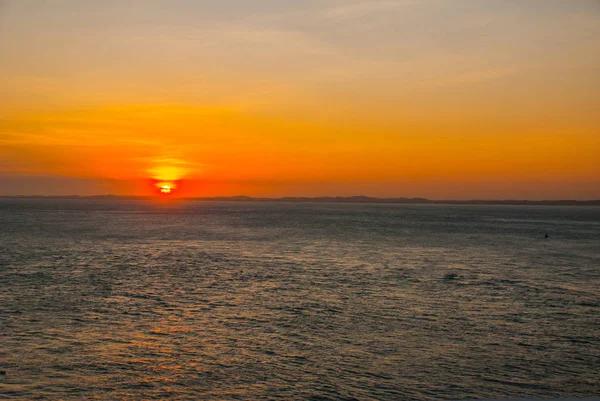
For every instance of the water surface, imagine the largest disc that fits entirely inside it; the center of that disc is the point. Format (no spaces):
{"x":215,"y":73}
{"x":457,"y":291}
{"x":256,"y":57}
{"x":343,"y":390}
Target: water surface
{"x":103,"y":299}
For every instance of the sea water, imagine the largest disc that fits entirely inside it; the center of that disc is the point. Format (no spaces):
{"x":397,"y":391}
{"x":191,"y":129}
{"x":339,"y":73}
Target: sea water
{"x":121,"y":299}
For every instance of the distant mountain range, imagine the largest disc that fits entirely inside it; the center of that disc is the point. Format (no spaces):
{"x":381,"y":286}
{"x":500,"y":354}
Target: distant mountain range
{"x":339,"y":199}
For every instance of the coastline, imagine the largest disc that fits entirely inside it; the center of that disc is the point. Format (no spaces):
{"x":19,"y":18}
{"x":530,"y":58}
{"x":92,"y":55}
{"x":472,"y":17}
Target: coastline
{"x":326,"y":199}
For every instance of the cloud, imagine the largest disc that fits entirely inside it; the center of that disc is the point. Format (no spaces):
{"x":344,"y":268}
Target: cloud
{"x":364,"y":8}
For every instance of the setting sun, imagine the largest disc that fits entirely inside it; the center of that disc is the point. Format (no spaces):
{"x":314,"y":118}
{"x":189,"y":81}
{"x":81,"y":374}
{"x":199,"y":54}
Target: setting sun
{"x":165,"y":188}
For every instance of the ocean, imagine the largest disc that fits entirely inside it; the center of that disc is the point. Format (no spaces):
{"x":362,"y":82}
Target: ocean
{"x":122,"y":299}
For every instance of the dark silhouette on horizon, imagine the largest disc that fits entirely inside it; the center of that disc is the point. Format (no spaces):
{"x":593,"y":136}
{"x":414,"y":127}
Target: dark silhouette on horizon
{"x":331,"y":199}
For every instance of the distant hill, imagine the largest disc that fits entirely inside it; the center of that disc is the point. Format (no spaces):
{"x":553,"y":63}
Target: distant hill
{"x":336,"y":199}
{"x":367,"y":199}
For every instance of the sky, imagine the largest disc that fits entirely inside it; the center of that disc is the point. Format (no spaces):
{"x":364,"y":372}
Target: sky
{"x":444,"y":99}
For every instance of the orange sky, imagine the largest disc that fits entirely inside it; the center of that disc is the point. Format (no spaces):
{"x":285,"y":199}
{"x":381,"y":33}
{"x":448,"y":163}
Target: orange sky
{"x":440,"y":99}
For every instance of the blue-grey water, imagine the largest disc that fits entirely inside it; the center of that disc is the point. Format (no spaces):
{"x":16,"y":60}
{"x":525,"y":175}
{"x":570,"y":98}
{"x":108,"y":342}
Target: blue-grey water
{"x":108,"y":300}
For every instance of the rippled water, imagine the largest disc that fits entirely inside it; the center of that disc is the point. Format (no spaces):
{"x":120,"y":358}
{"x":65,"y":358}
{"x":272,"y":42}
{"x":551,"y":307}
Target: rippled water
{"x":135,"y":300}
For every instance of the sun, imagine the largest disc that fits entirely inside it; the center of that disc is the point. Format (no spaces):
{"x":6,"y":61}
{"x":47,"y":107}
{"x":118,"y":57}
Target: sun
{"x":166,"y":189}
{"x":166,"y":179}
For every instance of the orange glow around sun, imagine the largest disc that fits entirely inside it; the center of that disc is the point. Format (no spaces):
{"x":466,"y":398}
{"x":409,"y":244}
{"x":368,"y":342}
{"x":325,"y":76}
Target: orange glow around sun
{"x":167,"y":176}
{"x":163,"y":188}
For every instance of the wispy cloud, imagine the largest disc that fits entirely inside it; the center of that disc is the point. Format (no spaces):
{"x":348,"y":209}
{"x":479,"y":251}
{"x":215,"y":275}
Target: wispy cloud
{"x":365,"y":8}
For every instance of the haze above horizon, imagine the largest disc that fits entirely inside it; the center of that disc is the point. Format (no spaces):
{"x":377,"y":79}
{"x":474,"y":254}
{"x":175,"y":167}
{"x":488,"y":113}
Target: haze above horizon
{"x":435,"y":99}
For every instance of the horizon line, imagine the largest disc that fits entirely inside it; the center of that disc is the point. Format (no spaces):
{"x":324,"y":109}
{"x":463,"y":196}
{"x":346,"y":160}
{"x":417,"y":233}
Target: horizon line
{"x":327,"y":199}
